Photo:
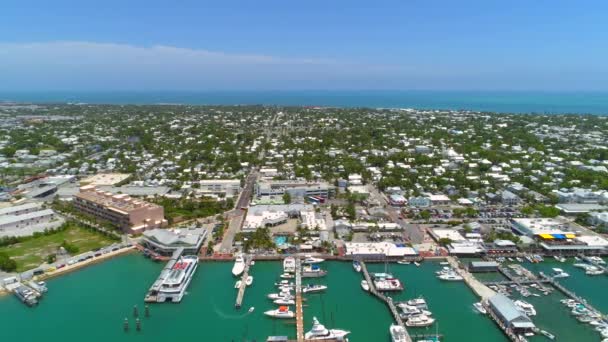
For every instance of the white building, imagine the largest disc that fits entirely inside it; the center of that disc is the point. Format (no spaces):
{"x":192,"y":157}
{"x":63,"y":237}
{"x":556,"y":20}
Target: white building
{"x":225,"y":187}
{"x":26,"y":219}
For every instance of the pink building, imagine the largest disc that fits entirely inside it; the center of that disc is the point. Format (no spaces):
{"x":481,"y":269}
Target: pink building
{"x":129,"y":214}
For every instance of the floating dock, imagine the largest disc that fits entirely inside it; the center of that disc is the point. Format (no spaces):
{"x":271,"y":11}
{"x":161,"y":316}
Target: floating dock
{"x":241,"y":294}
{"x":388,"y":301}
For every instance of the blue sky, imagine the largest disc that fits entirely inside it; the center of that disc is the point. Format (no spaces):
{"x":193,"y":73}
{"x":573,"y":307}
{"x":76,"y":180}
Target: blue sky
{"x":221,"y":45}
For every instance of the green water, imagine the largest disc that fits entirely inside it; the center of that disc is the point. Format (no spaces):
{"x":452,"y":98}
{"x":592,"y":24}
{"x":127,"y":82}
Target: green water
{"x":92,"y":303}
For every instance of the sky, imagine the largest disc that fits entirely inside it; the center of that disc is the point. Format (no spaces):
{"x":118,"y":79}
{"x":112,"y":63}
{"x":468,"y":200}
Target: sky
{"x":114,"y":45}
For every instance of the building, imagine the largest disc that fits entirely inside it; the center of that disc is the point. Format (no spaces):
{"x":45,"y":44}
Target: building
{"x":129,"y":214}
{"x":483,"y":266}
{"x":296,"y":188}
{"x":419,"y":202}
{"x":579,"y":208}
{"x":106,"y":179}
{"x":509,"y":198}
{"x":378,"y":250}
{"x":509,"y":315}
{"x":223,"y":187}
{"x":262,"y":219}
{"x":397,"y":200}
{"x":165,"y":241}
{"x":439,"y":199}
{"x":26,"y":219}
{"x":599,"y":219}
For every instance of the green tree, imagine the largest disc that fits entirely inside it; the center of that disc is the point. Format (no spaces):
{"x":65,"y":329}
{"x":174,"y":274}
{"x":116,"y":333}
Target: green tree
{"x":287,"y":197}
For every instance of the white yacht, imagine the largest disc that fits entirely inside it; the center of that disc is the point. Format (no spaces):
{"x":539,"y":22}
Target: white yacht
{"x":309,"y":259}
{"x":289,"y":265}
{"x":283,"y":294}
{"x":451,"y":276}
{"x":319,"y":333}
{"x":312,"y":271}
{"x":420,"y":321}
{"x":398,"y":333}
{"x":237,"y":285}
{"x":284,"y":301}
{"x":419,"y":302}
{"x":287,"y":276}
{"x":281,"y":312}
{"x":313,"y":288}
{"x":365,"y":285}
{"x":479,"y":307}
{"x":174,"y":285}
{"x":525,"y":307}
{"x":249,"y":280}
{"x":239,"y":265}
{"x":559,"y":273}
{"x":357,"y":266}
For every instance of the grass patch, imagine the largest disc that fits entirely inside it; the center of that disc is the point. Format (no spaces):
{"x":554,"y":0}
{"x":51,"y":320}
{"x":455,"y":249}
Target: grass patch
{"x":33,"y":252}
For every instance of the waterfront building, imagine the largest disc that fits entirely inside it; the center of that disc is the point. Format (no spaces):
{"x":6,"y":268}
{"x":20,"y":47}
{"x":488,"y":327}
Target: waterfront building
{"x":483,"y":266}
{"x":165,"y":241}
{"x":378,"y":250}
{"x":509,"y":315}
{"x":129,"y":214}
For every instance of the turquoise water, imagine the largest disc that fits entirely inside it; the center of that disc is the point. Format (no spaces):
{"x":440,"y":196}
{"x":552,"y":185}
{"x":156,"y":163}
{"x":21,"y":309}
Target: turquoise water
{"x":495,"y":101}
{"x":280,"y":240}
{"x":92,"y":303}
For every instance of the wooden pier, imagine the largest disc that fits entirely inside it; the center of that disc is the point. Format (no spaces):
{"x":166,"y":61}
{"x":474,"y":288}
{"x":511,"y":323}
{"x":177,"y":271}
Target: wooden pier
{"x":299,"y":307}
{"x":241,"y":294}
{"x":569,"y":293}
{"x":387,"y":300}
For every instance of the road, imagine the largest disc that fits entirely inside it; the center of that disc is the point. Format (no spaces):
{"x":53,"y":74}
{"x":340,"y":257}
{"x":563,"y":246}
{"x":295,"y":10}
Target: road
{"x":237,"y":215}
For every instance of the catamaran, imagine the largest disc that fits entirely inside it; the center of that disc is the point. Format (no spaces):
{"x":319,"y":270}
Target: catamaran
{"x":174,"y":286}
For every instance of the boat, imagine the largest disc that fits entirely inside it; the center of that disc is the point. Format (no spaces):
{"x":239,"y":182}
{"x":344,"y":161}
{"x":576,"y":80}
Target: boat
{"x":282,"y":294}
{"x":525,"y":307}
{"x":287,"y":276}
{"x":309,"y":259}
{"x":313,"y":288}
{"x":26,"y":295}
{"x":559,"y":273}
{"x":284,"y":283}
{"x":444,"y":263}
{"x":404,"y":262}
{"x":312,"y":271}
{"x":239,"y":265}
{"x":479,"y":307}
{"x":251,"y":309}
{"x":174,"y":285}
{"x":398,"y":333}
{"x":252,"y":263}
{"x":238,"y":284}
{"x":452,"y":276}
{"x":249,"y":280}
{"x":365,"y":285}
{"x":289,"y":265}
{"x":419,"y":321}
{"x":39,"y":287}
{"x":418,"y":302}
{"x":357,"y":266}
{"x":547,"y":334}
{"x":417,"y":263}
{"x":407,"y":311}
{"x":387,"y":283}
{"x":284,"y":301}
{"x":281,"y":312}
{"x":319,"y":332}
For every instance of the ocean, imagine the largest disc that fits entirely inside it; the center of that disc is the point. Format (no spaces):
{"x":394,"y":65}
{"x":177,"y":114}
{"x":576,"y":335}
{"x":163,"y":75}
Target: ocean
{"x":491,"y":101}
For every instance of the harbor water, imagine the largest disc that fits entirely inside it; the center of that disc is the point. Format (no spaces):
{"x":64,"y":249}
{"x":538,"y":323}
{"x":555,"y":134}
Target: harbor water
{"x":92,"y":304}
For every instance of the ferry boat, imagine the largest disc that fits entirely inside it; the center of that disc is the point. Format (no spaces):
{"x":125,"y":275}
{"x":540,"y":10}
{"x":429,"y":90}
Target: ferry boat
{"x":319,"y":333}
{"x":357,"y":266}
{"x":398,"y":333}
{"x":281,"y":312}
{"x":289,"y":265}
{"x":174,"y":286}
{"x":420,"y":321}
{"x":309,"y":259}
{"x":239,"y":265}
{"x":313,"y":288}
{"x":312,"y":271}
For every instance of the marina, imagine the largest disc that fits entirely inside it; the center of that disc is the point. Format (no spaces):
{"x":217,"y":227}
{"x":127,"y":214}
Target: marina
{"x":337,"y":307}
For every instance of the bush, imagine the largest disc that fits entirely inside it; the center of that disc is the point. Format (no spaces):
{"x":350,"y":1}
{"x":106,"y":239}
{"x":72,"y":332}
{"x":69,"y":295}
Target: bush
{"x":6,"y":263}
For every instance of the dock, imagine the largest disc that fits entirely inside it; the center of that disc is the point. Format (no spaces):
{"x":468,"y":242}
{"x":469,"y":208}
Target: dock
{"x":241,"y":294}
{"x":481,"y":290}
{"x":388,"y":301}
{"x":299,"y":307}
{"x":151,"y":295}
{"x":569,"y":293}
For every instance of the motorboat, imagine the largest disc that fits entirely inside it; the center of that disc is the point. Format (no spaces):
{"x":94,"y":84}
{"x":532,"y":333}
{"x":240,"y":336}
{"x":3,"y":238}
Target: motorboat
{"x":525,"y":307}
{"x":420,"y":321}
{"x":404,"y":262}
{"x":287,"y":276}
{"x":176,"y":280}
{"x":285,"y":294}
{"x":319,"y":332}
{"x":313,"y":288}
{"x":312,"y":271}
{"x":418,"y":302}
{"x":251,"y":309}
{"x":281,"y":312}
{"x":479,"y":307}
{"x":284,"y":283}
{"x":452,"y":276}
{"x":357,"y":266}
{"x":559,"y":273}
{"x":238,"y":284}
{"x":284,"y":301}
{"x":309,"y":259}
{"x":289,"y":265}
{"x":547,"y":334}
{"x":417,"y":263}
{"x":239,"y":265}
{"x":388,"y":284}
{"x":398,"y":333}
{"x":249,"y":280}
{"x":365,"y":285}
{"x":408,"y":310}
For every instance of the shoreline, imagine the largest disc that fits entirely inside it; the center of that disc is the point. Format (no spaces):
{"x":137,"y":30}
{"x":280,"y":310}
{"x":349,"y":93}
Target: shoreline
{"x":71,"y":268}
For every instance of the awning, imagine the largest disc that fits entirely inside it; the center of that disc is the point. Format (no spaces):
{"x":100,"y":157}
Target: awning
{"x":559,"y":236}
{"x":546,"y":236}
{"x":570,"y":236}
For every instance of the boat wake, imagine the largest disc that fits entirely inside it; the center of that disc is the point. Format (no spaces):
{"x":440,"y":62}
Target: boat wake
{"x":225,"y":315}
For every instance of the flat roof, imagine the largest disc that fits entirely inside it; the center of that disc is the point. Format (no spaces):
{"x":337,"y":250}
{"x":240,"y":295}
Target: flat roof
{"x":12,"y":209}
{"x":8,"y":219}
{"x":579,"y":208}
{"x":106,"y":178}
